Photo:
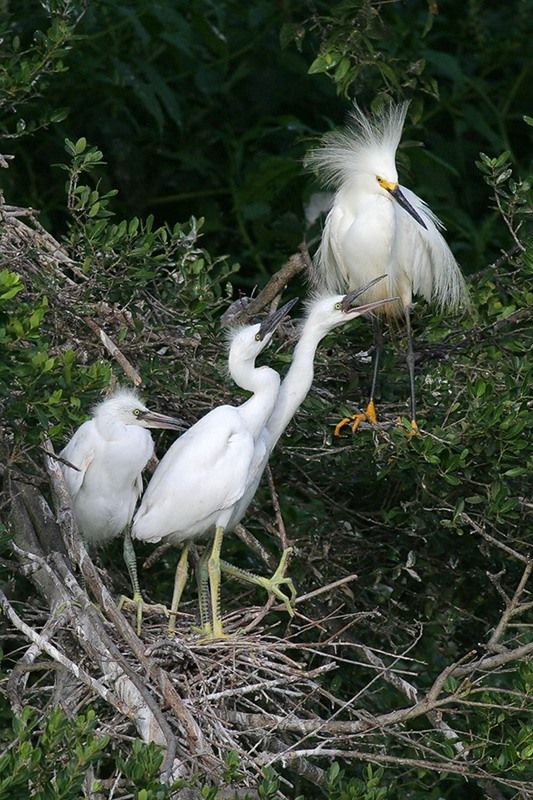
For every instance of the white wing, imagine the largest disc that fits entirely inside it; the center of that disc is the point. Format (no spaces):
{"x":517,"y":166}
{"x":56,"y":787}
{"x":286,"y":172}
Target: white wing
{"x":426,"y":258}
{"x":332,"y":272}
{"x":203,"y":473}
{"x":80,"y":452}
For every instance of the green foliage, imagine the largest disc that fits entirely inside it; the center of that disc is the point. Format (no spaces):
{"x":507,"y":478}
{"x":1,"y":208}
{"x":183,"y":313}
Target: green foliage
{"x":50,"y":758}
{"x":198,"y":112}
{"x":31,"y":57}
{"x":368,"y":787}
{"x":38,"y":391}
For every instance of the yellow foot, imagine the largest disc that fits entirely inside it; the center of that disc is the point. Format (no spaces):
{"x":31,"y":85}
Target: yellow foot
{"x":208,"y":635}
{"x":371,"y":413}
{"x":140,"y":606}
{"x":355,"y":420}
{"x":413,"y":429}
{"x":278,"y":579}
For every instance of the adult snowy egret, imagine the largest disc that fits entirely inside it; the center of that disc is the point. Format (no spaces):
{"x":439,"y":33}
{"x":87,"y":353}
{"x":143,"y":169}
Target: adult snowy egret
{"x":377,"y":226}
{"x":209,"y":476}
{"x":108,"y":454}
{"x":202,"y":484}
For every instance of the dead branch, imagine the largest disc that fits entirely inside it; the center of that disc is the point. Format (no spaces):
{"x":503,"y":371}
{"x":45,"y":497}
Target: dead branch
{"x":114,"y":352}
{"x":277,"y":510}
{"x":297,"y":263}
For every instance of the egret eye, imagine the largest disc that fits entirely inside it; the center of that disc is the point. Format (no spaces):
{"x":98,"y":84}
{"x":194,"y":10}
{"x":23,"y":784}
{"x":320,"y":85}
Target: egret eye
{"x":257,"y":337}
{"x":379,"y":179}
{"x":338,"y":306}
{"x":136,"y":412}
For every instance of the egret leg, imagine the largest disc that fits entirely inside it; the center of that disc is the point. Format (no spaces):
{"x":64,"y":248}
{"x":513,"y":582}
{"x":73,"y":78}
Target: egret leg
{"x":202,"y":579}
{"x":369,"y":414}
{"x":411,"y":367}
{"x":180,"y":579}
{"x":137,"y":599}
{"x":213,"y":568}
{"x":378,"y":350}
{"x":270,"y":584}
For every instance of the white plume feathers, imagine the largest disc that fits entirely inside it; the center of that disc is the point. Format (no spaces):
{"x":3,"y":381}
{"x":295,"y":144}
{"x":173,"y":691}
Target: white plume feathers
{"x":374,"y":225}
{"x":366,"y":144}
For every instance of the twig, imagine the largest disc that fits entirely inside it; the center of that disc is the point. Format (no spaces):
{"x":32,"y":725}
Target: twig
{"x":19,"y":674}
{"x":113,"y":350}
{"x":78,"y":553}
{"x":44,"y":646}
{"x":295,"y":265}
{"x":348,"y":579}
{"x":156,"y":555}
{"x":512,"y":608}
{"x":277,"y":510}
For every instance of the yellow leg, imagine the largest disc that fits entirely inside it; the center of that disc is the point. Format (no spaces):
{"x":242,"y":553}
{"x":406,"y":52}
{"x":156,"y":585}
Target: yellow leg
{"x":213,"y":569}
{"x":180,"y":579}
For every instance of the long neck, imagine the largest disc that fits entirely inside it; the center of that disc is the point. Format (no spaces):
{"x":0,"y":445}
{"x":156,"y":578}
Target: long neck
{"x":297,"y":382}
{"x":263,"y":382}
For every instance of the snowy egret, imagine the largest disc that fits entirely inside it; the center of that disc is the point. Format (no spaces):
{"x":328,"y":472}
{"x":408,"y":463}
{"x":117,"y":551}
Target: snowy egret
{"x":377,"y":226}
{"x":108,"y":454}
{"x":202,"y":484}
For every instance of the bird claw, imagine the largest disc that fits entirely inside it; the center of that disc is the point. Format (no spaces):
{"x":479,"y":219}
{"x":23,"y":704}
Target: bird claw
{"x":207,"y":634}
{"x":412,"y":429}
{"x":140,"y":607}
{"x":355,"y":420}
{"x":278,"y":579}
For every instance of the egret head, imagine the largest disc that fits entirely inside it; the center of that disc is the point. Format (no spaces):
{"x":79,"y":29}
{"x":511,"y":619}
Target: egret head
{"x":362,"y":157}
{"x":125,"y":407}
{"x":247,"y":342}
{"x":327,"y":312}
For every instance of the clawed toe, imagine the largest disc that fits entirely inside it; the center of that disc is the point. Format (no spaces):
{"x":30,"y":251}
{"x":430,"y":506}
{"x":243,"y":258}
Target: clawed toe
{"x":140,"y":607}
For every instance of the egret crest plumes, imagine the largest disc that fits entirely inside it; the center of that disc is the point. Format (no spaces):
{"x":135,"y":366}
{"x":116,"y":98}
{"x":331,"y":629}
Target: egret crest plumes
{"x":366,"y":147}
{"x":377,"y":227}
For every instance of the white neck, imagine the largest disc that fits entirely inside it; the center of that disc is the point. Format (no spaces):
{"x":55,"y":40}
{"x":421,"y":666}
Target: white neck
{"x":297,"y":382}
{"x":264,"y":383}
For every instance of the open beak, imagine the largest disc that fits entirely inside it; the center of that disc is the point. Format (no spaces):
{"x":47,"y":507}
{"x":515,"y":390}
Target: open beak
{"x":271,"y":323}
{"x":405,"y":204}
{"x":349,"y":302}
{"x":154,"y":420}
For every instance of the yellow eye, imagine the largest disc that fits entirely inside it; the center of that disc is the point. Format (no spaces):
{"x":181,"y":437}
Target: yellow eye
{"x":257,"y":337}
{"x":136,"y":412}
{"x":338,"y":306}
{"x":379,"y":179}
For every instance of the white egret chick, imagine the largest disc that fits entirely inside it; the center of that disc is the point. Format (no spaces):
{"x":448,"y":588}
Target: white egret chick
{"x":377,"y":226}
{"x":108,"y":454}
{"x":324,"y":313}
{"x":203,"y":483}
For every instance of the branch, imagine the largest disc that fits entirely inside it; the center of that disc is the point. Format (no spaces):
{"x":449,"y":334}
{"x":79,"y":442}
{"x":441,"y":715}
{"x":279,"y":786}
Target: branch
{"x":44,"y":646}
{"x":113,"y":350}
{"x":277,"y":510}
{"x":511,"y":609}
{"x":297,"y":263}
{"x":78,"y":553}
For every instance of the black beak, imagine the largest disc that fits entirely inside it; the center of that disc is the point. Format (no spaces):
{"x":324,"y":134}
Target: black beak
{"x":348,"y":305}
{"x":348,"y":302}
{"x":154,"y":420}
{"x":406,"y":205}
{"x":271,"y":323}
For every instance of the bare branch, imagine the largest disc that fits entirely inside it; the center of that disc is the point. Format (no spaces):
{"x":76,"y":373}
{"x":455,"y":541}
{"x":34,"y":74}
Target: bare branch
{"x":114,"y":351}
